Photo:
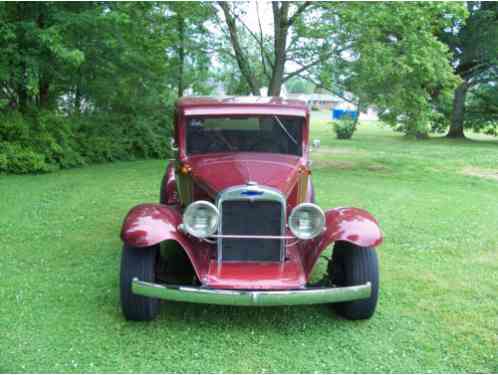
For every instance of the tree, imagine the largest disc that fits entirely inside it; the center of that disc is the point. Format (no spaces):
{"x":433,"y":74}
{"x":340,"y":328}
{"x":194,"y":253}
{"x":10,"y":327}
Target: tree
{"x":384,"y":54}
{"x":392,"y":60}
{"x":283,"y":46}
{"x":474,"y":45}
{"x":191,"y":42}
{"x":95,"y":81}
{"x":33,"y":51}
{"x":481,"y":109}
{"x":300,"y":86}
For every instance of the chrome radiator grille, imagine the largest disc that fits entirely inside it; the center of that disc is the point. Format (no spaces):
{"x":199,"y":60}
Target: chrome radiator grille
{"x":258,"y":215}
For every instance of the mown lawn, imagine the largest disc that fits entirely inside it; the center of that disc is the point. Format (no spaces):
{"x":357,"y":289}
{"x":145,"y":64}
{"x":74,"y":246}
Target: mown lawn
{"x":437,"y":202}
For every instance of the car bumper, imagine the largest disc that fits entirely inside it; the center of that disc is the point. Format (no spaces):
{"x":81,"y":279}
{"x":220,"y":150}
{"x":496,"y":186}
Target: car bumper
{"x":250,"y":297}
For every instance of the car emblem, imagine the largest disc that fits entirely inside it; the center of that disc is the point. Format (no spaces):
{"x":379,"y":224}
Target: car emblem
{"x":251,"y":193}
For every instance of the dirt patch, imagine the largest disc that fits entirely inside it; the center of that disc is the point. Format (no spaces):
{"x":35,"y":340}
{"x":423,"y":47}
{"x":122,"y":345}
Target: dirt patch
{"x":335,"y":164}
{"x":347,"y":165}
{"x":376,"y":167}
{"x":481,"y":172}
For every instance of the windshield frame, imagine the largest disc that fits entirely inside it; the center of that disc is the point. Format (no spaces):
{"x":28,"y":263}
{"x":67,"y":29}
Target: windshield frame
{"x":302,"y":144}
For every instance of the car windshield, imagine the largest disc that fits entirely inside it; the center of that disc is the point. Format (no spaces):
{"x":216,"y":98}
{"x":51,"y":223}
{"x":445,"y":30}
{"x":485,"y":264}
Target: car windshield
{"x":273,"y":134}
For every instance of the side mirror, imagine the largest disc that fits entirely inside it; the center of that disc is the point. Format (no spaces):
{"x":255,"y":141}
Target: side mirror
{"x":172,"y":145}
{"x":315,"y":144}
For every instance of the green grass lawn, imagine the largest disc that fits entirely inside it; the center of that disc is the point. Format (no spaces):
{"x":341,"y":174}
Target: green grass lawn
{"x":436,"y":200}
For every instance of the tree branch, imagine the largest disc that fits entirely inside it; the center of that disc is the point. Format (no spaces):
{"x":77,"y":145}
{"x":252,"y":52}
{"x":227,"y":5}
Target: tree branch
{"x":321,"y":86}
{"x":242,"y":60}
{"x":261,"y":44}
{"x":316,"y":62}
{"x":264,"y":52}
{"x":306,"y":67}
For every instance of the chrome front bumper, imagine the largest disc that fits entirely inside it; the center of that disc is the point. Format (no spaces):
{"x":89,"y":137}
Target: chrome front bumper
{"x":251,"y":297}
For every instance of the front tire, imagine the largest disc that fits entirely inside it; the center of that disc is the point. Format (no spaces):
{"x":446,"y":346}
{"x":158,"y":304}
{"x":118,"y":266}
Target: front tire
{"x":354,"y":265}
{"x":139,"y":263}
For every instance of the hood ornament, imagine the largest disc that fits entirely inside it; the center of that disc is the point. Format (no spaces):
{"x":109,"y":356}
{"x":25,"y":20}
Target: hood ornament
{"x":252,"y":189}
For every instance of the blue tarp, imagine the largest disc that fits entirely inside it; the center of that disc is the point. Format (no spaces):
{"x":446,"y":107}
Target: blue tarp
{"x":338,"y":114}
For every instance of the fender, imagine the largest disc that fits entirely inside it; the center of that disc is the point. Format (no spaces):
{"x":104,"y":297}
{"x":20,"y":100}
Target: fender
{"x":342,"y":224}
{"x":150,"y":224}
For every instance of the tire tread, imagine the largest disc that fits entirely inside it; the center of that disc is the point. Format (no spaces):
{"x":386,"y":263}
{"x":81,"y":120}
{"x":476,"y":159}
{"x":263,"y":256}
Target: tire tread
{"x":360,"y":265}
{"x":140,"y":263}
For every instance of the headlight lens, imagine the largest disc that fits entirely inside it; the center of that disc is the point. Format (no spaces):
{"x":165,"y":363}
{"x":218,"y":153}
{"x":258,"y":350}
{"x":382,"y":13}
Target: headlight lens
{"x":200,"y":219}
{"x":306,"y":221}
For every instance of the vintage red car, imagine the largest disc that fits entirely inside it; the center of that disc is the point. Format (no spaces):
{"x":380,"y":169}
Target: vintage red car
{"x":238,"y":201}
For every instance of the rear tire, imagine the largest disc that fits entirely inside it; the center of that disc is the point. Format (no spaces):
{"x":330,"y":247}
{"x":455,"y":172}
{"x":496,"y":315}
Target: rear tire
{"x":139,"y":263}
{"x":162,"y":191}
{"x":355,"y":265}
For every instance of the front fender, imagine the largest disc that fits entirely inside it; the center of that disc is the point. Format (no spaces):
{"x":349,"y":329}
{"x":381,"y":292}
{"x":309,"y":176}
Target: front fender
{"x":343,"y":224}
{"x":150,"y":224}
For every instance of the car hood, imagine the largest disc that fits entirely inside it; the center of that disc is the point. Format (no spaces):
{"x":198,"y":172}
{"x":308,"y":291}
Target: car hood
{"x":216,"y":172}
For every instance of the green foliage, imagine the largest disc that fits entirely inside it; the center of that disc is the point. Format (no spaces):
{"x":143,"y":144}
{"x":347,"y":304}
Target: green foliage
{"x":390,"y":57}
{"x":344,"y":128}
{"x":482,"y":110}
{"x":94,"y":82}
{"x":15,"y":158}
{"x":299,"y":86}
{"x":474,"y":47}
{"x":46,"y":141}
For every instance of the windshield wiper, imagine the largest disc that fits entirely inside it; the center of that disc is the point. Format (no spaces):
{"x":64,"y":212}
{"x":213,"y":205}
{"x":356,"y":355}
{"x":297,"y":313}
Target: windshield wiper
{"x":284,"y":129}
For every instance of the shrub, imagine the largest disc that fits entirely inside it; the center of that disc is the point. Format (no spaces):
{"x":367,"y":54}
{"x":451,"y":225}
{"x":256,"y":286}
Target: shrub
{"x":18,"y":159}
{"x":344,"y":128}
{"x":45,"y":141}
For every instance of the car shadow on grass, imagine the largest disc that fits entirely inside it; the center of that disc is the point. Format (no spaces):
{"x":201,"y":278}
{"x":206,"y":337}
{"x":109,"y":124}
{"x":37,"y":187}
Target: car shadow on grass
{"x":246,"y":317}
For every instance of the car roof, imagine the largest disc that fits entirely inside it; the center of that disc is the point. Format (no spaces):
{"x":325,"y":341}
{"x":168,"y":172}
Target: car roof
{"x":210,"y":105}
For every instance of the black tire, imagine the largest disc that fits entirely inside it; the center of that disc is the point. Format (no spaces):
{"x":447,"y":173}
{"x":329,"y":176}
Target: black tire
{"x":140,"y":263}
{"x":355,"y":265}
{"x":162,"y":191}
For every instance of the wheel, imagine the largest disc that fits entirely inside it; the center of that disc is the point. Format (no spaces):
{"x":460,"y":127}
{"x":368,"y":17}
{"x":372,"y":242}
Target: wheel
{"x":355,"y":265}
{"x":139,"y":263}
{"x":162,"y":192}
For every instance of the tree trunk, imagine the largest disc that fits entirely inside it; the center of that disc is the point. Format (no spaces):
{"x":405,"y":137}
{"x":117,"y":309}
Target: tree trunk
{"x":44,"y":74}
{"x":420,"y":135}
{"x":22,"y":81}
{"x":241,"y":58}
{"x":281,"y":27}
{"x":181,"y":54}
{"x":43,"y":89}
{"x":77,"y":94}
{"x":22,"y":90}
{"x":458,"y":112}
{"x":357,"y":117}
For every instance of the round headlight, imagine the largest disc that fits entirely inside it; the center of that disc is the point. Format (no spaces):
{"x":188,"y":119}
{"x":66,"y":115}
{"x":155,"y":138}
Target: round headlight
{"x":306,"y":221}
{"x":200,"y":219}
